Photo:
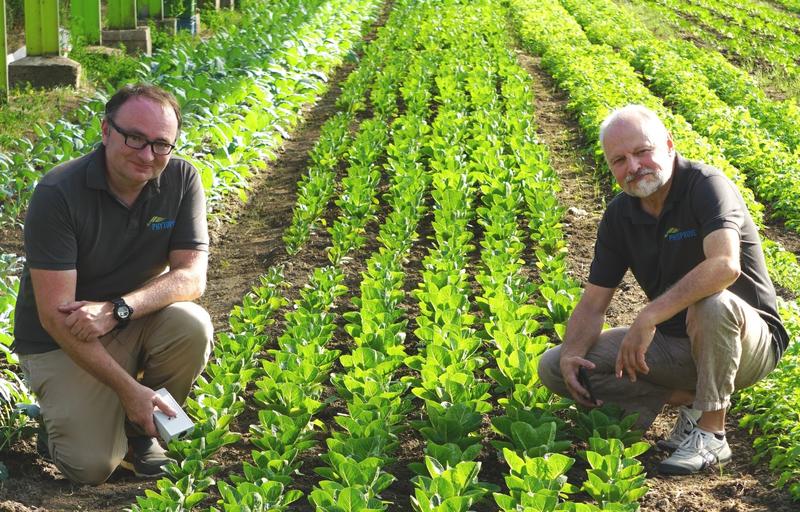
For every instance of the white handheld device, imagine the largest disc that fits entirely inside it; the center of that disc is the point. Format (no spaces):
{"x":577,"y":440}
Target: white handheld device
{"x":171,"y":428}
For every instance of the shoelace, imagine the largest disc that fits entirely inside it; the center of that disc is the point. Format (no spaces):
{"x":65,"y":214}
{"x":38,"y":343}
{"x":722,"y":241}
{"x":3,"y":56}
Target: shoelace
{"x":696,"y":444}
{"x":684,"y":424}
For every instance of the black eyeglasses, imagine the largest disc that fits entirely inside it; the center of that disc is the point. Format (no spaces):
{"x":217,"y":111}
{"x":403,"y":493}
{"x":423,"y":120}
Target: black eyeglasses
{"x":139,"y":142}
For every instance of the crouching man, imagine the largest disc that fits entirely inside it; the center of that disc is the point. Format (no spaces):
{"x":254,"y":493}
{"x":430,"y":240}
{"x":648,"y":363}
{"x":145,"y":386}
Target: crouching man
{"x":711,"y":325}
{"x":116,"y":246}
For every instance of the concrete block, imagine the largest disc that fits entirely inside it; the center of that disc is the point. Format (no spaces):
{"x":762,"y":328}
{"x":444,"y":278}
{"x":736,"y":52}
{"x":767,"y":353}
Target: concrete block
{"x":168,"y":25}
{"x":135,"y":40}
{"x":44,"y":72}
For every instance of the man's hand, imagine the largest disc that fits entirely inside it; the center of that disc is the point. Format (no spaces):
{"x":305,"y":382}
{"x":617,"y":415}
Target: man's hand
{"x":569,"y":370}
{"x":88,"y":321}
{"x":630,"y":358}
{"x":140,"y":403}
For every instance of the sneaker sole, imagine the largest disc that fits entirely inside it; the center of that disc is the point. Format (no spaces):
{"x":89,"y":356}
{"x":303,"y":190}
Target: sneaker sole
{"x":666,"y":469}
{"x":130,"y":467}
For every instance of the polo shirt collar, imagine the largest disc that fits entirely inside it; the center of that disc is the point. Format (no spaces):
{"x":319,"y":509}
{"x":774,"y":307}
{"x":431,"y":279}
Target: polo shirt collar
{"x":677,"y":193}
{"x":96,"y":175}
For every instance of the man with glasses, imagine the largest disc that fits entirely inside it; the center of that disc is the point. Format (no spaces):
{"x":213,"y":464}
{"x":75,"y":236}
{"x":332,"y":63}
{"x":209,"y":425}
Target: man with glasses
{"x":116,"y":246}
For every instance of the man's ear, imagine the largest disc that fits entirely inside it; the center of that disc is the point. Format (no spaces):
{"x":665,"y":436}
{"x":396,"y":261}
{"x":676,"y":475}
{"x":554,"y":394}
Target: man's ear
{"x":105,"y":130}
{"x":670,"y":144}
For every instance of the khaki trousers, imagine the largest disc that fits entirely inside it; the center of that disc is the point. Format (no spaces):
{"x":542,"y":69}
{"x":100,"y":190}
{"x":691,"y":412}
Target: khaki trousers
{"x":84,"y":418}
{"x":729,"y":347}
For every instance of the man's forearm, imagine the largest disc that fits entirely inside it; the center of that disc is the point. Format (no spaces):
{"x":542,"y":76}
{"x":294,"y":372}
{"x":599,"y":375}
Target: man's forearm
{"x":709,"y":277}
{"x":583,"y":328}
{"x":92,"y":357}
{"x":173,"y":286}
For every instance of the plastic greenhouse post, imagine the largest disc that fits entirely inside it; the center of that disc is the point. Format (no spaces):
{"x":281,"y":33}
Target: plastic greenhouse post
{"x":41,"y":27}
{"x":3,"y":55}
{"x":86,"y":20}
{"x":151,"y":9}
{"x":121,"y":14}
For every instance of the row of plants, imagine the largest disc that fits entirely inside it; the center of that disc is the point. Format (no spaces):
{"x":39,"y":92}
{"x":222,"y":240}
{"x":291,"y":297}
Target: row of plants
{"x":770,"y":166}
{"x":291,"y":393}
{"x":769,"y":410}
{"x":215,"y":402}
{"x":598,"y":80}
{"x":737,"y":134}
{"x":727,"y":38}
{"x":377,"y":403}
{"x":237,"y":144}
{"x":449,"y":351}
{"x":552,"y":32}
{"x":770,"y":32}
{"x":766,"y":12}
{"x":213,"y":82}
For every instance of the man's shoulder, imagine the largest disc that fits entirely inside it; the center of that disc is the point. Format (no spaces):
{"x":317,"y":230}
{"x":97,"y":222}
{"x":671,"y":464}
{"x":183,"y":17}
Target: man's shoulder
{"x":72,"y":171}
{"x":695,"y":169}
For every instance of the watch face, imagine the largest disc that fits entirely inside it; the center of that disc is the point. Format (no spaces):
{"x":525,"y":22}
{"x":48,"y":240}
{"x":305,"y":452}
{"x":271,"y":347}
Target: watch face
{"x":123,"y":312}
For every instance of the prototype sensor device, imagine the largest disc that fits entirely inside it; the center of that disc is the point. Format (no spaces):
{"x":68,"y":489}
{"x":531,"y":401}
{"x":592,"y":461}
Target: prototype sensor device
{"x":171,"y":428}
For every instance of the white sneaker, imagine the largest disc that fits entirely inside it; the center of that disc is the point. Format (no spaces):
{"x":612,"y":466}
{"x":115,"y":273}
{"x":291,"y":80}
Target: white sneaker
{"x":698,"y":451}
{"x":687,"y":420}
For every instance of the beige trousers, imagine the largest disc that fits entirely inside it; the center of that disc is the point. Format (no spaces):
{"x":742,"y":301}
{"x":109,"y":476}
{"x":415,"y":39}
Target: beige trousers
{"x":729,"y":347}
{"x":84,"y":418}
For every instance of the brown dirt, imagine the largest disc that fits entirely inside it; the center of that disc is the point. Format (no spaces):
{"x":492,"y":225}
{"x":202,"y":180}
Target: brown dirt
{"x":243,"y":250}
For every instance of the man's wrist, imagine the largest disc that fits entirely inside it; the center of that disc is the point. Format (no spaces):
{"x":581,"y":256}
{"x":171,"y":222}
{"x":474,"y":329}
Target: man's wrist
{"x":122,"y":312}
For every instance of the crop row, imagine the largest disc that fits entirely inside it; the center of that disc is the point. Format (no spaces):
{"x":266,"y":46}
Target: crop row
{"x":769,"y":410}
{"x":242,"y":90}
{"x":770,"y":166}
{"x":608,"y":81}
{"x":550,"y":30}
{"x":287,"y":390}
{"x":719,"y":34}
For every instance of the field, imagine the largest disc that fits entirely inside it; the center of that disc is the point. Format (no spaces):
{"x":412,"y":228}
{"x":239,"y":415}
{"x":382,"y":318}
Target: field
{"x":403,"y":204}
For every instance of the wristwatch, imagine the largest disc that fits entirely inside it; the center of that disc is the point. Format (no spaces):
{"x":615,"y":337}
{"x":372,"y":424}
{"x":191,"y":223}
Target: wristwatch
{"x":122,"y":312}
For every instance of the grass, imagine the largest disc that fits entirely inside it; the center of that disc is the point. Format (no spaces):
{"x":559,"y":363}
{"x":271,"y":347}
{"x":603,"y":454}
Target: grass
{"x":27,"y":107}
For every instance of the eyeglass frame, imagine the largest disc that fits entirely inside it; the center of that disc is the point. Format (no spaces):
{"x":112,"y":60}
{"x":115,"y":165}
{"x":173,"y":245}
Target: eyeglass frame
{"x":151,"y":143}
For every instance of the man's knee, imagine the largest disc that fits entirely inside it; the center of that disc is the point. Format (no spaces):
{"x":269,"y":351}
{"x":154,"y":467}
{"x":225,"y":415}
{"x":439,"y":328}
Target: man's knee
{"x":550,"y":368}
{"x":87,"y":467}
{"x":193,"y":324}
{"x":711,"y":311}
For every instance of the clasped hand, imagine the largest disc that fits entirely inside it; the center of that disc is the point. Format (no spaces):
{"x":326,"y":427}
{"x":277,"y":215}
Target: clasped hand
{"x":631,"y":355}
{"x":88,"y":321}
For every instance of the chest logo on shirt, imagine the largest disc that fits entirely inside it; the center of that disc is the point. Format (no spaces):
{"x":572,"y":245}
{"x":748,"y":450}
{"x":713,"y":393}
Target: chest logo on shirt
{"x":675,"y":234}
{"x":157,"y":223}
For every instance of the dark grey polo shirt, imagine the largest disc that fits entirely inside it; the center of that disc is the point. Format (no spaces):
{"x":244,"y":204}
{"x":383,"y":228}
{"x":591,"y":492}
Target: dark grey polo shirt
{"x":659,"y":252}
{"x":74,"y":222}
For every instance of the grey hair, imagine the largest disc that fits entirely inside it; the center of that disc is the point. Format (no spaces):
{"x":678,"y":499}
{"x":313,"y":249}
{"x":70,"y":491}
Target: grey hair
{"x":628,"y":112}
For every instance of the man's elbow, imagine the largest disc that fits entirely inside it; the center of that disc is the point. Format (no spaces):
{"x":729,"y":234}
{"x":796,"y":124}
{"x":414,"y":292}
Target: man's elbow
{"x":198,"y":287}
{"x":50,"y":323}
{"x":732,"y":271}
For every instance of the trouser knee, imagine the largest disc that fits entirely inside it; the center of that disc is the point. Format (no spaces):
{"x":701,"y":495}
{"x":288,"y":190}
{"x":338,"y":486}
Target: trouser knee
{"x":194,"y":330}
{"x":709,"y":311}
{"x":86,"y":468}
{"x":550,"y":369}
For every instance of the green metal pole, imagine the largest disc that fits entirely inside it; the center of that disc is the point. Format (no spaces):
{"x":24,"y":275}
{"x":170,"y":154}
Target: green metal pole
{"x":86,"y":20}
{"x":41,"y":27}
{"x":151,"y":9}
{"x":122,"y":14}
{"x":3,"y":55}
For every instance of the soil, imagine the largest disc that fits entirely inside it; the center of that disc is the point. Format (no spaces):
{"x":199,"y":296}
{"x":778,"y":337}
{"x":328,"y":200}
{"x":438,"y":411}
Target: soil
{"x":243,"y":250}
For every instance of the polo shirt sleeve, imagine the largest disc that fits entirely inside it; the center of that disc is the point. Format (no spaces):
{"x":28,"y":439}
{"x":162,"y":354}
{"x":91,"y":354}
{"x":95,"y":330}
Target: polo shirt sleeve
{"x":50,"y":238}
{"x":716,"y":205}
{"x":191,"y":227}
{"x":609,"y":264}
